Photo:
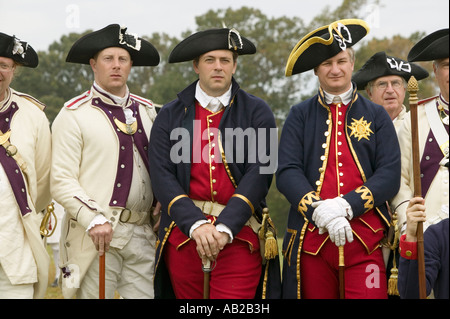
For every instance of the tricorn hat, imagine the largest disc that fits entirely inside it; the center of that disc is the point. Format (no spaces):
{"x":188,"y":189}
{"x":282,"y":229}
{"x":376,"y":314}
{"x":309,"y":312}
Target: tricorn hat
{"x":324,"y":43}
{"x":380,"y":64}
{"x":433,"y":47}
{"x":19,"y":51}
{"x":142,"y":52}
{"x":210,"y":40}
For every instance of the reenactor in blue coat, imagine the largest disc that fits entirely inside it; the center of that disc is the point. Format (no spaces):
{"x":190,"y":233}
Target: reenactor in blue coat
{"x":339,"y":162}
{"x":212,"y":181}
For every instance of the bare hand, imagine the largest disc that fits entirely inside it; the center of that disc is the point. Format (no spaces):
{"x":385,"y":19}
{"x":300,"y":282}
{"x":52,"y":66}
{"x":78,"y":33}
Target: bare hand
{"x":157,"y":216}
{"x":101,"y":235}
{"x":209,"y":241}
{"x":414,"y":213}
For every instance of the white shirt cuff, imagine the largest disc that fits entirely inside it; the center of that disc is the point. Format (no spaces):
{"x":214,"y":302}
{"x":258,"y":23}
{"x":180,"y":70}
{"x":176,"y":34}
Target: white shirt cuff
{"x":99,"y":219}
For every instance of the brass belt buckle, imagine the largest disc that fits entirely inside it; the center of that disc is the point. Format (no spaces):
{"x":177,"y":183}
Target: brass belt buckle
{"x":125,"y":210}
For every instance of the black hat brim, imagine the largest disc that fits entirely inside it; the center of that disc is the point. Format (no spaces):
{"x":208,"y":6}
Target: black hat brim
{"x":320,"y":45}
{"x":434,"y":46}
{"x":28,"y":58}
{"x":378,"y":66}
{"x":205,"y":41}
{"x":89,"y":45}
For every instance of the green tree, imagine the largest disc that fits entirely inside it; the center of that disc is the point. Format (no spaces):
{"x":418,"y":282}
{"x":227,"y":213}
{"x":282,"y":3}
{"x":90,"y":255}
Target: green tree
{"x":54,"y":81}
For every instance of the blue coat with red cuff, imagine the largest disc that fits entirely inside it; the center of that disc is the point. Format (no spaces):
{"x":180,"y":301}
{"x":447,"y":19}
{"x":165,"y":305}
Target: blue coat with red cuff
{"x":303,"y":155}
{"x":436,"y":243}
{"x":170,"y":170}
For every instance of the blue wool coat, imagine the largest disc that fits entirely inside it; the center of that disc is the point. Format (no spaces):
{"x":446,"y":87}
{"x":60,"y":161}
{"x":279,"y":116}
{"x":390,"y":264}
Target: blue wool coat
{"x":170,"y":174}
{"x":303,"y":154}
{"x":436,"y":243}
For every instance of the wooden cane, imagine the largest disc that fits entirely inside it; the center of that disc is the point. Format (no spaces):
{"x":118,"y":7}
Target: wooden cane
{"x":413,"y":88}
{"x":206,"y":267}
{"x":341,"y":273}
{"x":101,"y":277}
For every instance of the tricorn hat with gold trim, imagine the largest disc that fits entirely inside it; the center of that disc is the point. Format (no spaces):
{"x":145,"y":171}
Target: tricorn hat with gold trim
{"x":19,"y":51}
{"x":210,"y":40}
{"x":142,"y":52}
{"x":324,"y":43}
{"x":433,"y":47}
{"x":380,"y":64}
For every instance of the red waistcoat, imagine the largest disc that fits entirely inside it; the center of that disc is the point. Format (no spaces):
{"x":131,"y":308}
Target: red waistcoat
{"x":342,"y":176}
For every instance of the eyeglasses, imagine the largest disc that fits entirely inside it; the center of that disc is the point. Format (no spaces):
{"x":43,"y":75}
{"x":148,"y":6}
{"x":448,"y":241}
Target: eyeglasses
{"x":382,"y":85}
{"x":5,"y":67}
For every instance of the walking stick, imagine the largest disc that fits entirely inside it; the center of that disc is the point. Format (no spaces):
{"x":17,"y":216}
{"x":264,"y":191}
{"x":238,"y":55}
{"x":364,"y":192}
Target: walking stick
{"x":206,"y":277}
{"x":413,"y":88}
{"x":341,"y":273}
{"x":101,"y":279}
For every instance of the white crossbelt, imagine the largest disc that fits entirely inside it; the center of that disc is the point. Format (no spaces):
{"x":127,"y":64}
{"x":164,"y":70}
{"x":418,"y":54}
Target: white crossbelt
{"x":436,"y":125}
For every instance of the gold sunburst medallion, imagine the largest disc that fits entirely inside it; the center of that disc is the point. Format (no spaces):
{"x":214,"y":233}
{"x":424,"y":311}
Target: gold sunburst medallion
{"x":360,"y":129}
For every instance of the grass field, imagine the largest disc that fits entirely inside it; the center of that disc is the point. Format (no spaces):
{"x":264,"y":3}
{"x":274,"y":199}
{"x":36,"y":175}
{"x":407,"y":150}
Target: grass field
{"x":52,"y":292}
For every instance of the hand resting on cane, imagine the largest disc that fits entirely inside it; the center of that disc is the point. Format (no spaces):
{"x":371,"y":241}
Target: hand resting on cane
{"x":209,"y":241}
{"x":101,"y":235}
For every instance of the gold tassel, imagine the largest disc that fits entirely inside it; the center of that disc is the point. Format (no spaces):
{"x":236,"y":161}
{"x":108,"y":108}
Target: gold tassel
{"x":393,"y":278}
{"x":267,"y":234}
{"x":271,"y":246}
{"x":262,"y":230}
{"x":392,"y":283}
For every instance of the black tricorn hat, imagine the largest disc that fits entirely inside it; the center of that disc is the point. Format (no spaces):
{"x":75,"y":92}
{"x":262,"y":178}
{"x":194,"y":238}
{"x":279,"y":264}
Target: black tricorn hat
{"x":142,"y":52}
{"x":324,"y":43}
{"x":210,"y":40}
{"x":433,"y":47}
{"x":380,"y":64}
{"x":19,"y":51}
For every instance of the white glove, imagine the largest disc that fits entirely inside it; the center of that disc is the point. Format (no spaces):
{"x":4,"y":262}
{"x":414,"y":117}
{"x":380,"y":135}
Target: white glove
{"x":329,"y":209}
{"x":340,"y":231}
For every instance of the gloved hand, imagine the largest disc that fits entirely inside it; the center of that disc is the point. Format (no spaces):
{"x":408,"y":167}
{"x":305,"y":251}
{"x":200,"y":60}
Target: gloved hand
{"x":329,"y":209}
{"x":339,"y":230}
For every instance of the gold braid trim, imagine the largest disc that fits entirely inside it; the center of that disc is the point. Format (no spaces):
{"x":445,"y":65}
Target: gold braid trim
{"x":168,"y":230}
{"x":173,"y":202}
{"x":367,"y":196}
{"x":245,"y":199}
{"x":300,"y":245}
{"x":224,"y":161}
{"x":308,"y":199}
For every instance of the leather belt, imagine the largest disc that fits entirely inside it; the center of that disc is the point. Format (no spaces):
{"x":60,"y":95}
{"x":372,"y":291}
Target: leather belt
{"x":132,"y":217}
{"x":214,"y":209}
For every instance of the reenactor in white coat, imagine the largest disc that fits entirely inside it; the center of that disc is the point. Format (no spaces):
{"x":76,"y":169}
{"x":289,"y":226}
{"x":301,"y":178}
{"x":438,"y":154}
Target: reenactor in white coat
{"x":25,"y":155}
{"x":100,"y":171}
{"x":433,"y":123}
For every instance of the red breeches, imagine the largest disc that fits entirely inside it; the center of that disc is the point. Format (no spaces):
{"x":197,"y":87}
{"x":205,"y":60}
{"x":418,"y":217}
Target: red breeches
{"x":365,"y":275}
{"x":235,"y":276}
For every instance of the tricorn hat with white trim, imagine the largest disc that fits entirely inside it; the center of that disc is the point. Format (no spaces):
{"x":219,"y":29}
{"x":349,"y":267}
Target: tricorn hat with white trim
{"x":380,"y":64}
{"x":19,"y":51}
{"x":324,"y":43}
{"x":210,"y":40}
{"x":142,"y":52}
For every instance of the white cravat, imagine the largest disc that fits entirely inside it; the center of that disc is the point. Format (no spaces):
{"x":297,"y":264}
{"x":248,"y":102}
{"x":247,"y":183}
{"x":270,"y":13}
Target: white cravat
{"x":345,"y":97}
{"x":212,"y":103}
